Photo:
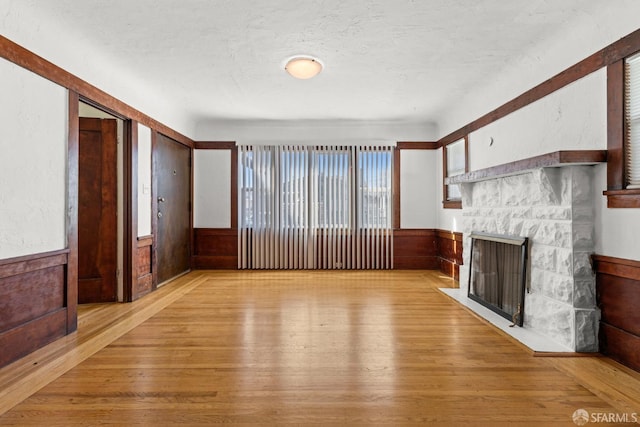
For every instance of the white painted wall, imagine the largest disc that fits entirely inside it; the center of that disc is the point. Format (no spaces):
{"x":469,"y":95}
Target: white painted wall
{"x":591,"y":31}
{"x":572,"y":118}
{"x":212,"y":188}
{"x":418,"y":183}
{"x":144,"y":180}
{"x":616,"y":229}
{"x":33,"y":163}
{"x":314,"y":131}
{"x":27,"y":24}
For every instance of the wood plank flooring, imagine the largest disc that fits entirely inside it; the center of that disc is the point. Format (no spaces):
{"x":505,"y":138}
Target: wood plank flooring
{"x":303,"y":348}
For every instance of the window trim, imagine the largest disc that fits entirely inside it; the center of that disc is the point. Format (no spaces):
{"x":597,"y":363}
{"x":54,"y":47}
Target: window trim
{"x":448,"y":203}
{"x":617,"y":195}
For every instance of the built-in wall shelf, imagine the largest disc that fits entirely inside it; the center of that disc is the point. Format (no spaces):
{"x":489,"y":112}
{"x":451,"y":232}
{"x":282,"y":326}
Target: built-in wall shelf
{"x":549,"y":160}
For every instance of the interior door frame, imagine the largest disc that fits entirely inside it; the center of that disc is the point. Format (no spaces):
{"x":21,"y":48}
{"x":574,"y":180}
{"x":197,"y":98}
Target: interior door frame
{"x":129,"y":196}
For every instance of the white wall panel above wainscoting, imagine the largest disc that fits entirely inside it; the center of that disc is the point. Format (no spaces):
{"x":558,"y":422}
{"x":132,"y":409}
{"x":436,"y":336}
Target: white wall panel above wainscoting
{"x":572,"y":118}
{"x":418,"y":184}
{"x":33,"y":164}
{"x":212,"y":188}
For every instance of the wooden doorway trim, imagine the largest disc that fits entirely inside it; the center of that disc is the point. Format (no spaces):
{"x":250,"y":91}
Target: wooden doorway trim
{"x":130,"y":210}
{"x":72,"y":213}
{"x":129,"y":196}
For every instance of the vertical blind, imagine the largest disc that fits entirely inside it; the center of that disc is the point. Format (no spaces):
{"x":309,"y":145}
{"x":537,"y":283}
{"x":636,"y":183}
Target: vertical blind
{"x":632,"y":120}
{"x":315,"y":207}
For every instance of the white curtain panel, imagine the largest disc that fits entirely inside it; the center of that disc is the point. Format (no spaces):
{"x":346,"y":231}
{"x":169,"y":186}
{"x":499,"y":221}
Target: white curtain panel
{"x":315,"y":207}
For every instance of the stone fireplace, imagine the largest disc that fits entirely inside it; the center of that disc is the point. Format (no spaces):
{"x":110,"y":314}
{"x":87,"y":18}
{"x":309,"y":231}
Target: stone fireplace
{"x":553,"y":207}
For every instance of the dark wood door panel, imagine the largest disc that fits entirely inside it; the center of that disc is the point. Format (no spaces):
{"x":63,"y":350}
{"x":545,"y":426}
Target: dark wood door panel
{"x":97,"y":211}
{"x":173,"y":175}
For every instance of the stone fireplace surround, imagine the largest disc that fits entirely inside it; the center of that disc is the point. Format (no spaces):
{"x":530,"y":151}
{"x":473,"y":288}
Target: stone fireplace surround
{"x":548,"y":199}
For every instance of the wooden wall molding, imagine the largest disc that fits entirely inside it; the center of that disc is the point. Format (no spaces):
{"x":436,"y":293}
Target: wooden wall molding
{"x":417,"y":145}
{"x":38,"y":65}
{"x":25,"y":264}
{"x":145,"y":241}
{"x":615,"y":126}
{"x":620,"y":267}
{"x":214,"y":145}
{"x":73,"y":173}
{"x":618,"y":297}
{"x":130,"y":198}
{"x":33,"y":302}
{"x":605,"y":57}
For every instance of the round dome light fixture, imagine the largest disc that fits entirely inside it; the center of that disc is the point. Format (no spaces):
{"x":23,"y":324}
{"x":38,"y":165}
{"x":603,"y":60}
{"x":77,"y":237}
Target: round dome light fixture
{"x":303,"y":67}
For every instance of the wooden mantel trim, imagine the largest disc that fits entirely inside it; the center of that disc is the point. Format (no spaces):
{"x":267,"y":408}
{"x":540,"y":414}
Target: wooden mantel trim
{"x":549,"y":160}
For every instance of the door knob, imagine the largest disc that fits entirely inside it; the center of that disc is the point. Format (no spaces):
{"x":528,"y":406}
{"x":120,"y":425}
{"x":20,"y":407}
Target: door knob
{"x":161,"y":199}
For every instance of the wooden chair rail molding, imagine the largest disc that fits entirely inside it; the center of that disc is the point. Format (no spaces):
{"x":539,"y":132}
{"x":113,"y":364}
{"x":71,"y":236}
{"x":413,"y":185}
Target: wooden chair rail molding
{"x":620,"y":267}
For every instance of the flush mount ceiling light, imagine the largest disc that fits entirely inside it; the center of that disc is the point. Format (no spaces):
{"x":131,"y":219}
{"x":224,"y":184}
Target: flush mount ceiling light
{"x":303,"y":67}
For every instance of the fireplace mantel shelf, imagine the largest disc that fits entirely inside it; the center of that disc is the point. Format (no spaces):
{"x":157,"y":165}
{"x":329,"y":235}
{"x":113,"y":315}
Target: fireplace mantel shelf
{"x":549,"y":160}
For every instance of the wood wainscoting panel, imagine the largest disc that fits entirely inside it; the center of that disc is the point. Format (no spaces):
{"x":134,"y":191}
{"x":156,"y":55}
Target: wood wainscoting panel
{"x":215,"y":248}
{"x":618,"y":296}
{"x":450,"y":252}
{"x":144,"y":282}
{"x":415,"y":249}
{"x":32,"y":303}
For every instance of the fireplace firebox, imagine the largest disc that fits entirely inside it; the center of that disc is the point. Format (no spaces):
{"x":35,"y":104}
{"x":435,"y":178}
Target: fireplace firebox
{"x":498,"y":274}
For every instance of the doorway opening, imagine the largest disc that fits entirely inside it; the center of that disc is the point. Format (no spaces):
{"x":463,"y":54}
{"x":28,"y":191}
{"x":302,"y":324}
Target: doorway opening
{"x":100,"y":206}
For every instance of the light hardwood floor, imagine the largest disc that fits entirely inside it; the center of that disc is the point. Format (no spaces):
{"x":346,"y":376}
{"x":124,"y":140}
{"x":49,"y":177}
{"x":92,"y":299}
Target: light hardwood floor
{"x":301,"y":348}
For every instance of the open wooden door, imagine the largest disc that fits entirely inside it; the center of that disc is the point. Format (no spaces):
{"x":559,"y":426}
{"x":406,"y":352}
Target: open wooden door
{"x":172,"y":170}
{"x":97,"y":211}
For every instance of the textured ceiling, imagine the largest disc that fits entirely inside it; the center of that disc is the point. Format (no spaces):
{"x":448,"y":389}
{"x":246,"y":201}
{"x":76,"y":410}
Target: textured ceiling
{"x":384,"y":59}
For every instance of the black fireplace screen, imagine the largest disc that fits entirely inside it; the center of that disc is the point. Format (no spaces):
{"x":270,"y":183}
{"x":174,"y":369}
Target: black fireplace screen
{"x":497,"y":278}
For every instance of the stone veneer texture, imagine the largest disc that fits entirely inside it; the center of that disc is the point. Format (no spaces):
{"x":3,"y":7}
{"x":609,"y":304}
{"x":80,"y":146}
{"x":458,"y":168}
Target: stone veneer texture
{"x":553,"y":207}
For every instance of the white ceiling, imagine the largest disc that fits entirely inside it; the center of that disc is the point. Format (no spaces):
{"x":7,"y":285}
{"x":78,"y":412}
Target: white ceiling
{"x":384,"y":59}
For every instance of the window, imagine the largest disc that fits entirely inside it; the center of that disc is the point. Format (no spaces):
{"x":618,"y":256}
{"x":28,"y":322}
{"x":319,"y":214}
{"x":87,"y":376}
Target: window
{"x":454,"y":163}
{"x":374,"y":189}
{"x":632,"y":121}
{"x":623,"y":133}
{"x":315,"y":207}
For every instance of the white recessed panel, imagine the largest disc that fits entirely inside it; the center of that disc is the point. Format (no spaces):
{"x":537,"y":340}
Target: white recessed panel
{"x":212,"y":189}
